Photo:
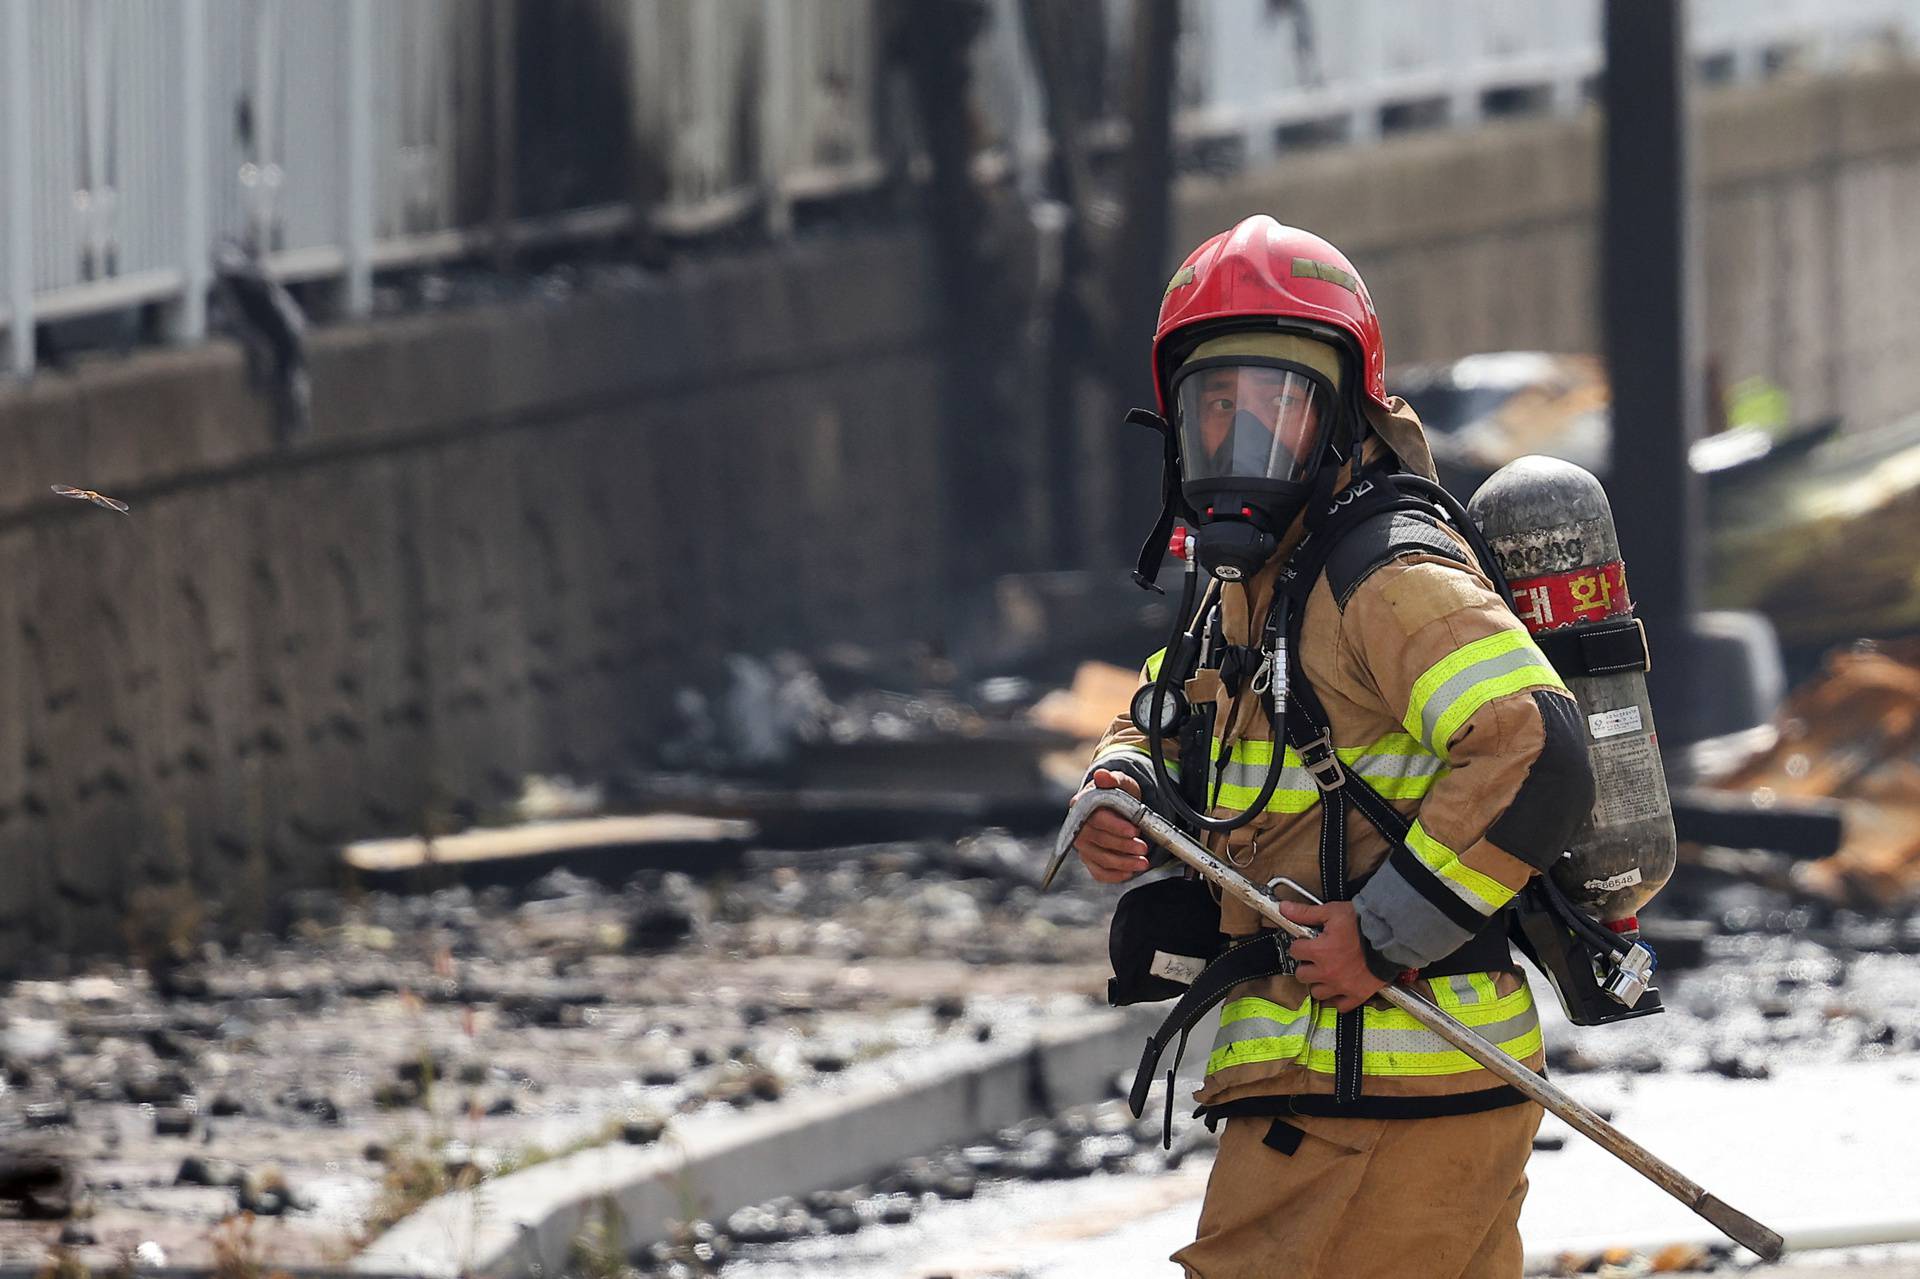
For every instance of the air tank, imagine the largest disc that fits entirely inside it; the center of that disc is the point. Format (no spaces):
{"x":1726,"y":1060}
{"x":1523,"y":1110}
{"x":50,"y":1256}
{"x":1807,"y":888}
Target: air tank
{"x":1551,"y":529}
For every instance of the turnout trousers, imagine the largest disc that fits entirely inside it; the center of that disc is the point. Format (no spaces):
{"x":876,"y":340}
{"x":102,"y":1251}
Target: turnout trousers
{"x":1366,"y":1198}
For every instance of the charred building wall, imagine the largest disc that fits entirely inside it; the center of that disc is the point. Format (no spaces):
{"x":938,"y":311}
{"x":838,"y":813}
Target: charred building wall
{"x":512,"y":526}
{"x":507,"y":531}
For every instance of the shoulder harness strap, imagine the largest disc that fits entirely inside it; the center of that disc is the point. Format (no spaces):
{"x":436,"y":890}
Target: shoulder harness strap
{"x":1371,"y":523}
{"x":1377,"y":541}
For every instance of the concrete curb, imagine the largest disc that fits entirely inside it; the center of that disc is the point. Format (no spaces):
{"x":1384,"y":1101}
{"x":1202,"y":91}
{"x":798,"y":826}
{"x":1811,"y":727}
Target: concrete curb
{"x":711,"y":1164}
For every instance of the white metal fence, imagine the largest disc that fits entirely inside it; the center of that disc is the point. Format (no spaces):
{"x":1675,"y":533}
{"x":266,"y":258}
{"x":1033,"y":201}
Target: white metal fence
{"x":1251,"y":72}
{"x":342,"y":136}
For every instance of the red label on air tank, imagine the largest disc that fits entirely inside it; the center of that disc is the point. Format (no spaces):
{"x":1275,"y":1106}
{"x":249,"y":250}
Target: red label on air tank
{"x":1561,"y":599}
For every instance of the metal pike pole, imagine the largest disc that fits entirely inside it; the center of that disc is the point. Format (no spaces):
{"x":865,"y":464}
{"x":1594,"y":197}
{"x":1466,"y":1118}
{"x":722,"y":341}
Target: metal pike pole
{"x":1736,"y":1225}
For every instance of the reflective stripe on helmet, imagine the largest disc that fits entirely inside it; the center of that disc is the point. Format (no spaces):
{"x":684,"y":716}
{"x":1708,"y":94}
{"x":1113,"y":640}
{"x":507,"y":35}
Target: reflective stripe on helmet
{"x":1257,"y":272}
{"x":1254,"y":1031}
{"x":1449,"y":692}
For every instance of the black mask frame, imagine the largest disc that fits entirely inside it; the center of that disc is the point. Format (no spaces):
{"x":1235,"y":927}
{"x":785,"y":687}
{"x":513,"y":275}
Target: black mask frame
{"x":1344,"y":438}
{"x":1238,"y":520}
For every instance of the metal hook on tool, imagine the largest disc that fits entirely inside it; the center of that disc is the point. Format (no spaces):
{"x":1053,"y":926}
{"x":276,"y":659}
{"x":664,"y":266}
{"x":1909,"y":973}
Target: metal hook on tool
{"x":1282,"y":879}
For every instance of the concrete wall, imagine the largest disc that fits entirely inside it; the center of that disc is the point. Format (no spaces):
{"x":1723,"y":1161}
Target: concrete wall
{"x":506,"y":526}
{"x":1485,"y":240}
{"x":510,"y":524}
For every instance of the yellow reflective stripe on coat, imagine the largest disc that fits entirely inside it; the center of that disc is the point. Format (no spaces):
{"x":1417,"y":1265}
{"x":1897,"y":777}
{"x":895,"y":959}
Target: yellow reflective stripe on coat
{"x":1482,"y":892}
{"x":1397,"y":766}
{"x":1453,"y":688}
{"x":1255,"y":1031}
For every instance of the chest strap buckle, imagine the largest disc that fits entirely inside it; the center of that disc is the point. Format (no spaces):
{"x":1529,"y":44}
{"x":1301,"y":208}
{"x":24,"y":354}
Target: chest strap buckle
{"x":1320,"y":760}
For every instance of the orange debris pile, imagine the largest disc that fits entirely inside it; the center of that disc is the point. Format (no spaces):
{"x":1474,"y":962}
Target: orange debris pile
{"x":1853,"y":734}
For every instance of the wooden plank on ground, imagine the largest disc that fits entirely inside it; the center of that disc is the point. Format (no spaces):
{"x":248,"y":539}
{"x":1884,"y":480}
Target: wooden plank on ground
{"x":599,"y":846}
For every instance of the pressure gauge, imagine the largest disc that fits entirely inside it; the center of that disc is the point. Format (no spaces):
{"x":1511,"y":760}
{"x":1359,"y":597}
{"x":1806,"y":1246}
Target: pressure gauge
{"x":1173,"y":711}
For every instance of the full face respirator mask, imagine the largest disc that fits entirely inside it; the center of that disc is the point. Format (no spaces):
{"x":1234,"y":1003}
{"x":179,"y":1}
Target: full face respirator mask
{"x":1255,"y":419}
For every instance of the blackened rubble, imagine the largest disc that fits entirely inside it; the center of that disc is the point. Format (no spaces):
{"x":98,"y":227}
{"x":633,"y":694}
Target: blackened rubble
{"x":473,"y":1030}
{"x":389,"y":1046}
{"x":1774,"y":977}
{"x":1082,"y":1142}
{"x":462,"y":1031}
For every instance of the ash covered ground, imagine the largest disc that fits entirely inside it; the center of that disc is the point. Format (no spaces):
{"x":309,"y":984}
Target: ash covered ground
{"x":1760,"y":982}
{"x":391,"y":1046}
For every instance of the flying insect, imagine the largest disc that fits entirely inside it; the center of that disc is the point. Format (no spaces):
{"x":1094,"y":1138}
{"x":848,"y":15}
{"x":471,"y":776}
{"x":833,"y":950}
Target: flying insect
{"x":88,"y":495}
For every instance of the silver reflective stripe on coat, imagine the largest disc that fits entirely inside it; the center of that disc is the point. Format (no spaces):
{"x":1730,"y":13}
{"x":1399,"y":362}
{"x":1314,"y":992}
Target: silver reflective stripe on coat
{"x":1255,"y":1031}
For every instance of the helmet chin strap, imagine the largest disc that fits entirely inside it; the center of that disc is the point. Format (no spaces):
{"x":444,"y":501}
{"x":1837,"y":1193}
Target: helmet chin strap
{"x":1330,"y":481}
{"x":1153,"y":552}
{"x":1357,"y":428}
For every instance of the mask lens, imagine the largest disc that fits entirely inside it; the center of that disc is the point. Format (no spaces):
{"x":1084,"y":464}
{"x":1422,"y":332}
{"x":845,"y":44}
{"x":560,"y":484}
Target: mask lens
{"x":1250,"y":421}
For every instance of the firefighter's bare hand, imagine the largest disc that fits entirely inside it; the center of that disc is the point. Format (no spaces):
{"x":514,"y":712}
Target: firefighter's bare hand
{"x":1332,"y":965}
{"x":1110,"y":846}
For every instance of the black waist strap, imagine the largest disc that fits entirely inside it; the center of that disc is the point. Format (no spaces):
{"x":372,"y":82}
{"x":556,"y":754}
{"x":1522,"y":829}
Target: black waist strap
{"x":1324,"y":1106}
{"x":1262,"y":955}
{"x":1265,"y":955}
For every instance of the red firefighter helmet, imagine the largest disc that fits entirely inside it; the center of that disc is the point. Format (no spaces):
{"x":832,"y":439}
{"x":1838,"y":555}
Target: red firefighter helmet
{"x":1263,"y":270}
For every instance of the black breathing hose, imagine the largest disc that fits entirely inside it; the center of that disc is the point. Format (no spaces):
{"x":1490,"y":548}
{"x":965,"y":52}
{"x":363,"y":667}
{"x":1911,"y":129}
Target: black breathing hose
{"x":1175,"y":658}
{"x":1578,"y":921}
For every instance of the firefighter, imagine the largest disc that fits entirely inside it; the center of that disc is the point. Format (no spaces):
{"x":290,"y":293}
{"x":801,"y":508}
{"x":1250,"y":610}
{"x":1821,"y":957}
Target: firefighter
{"x":1384,"y":1152}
